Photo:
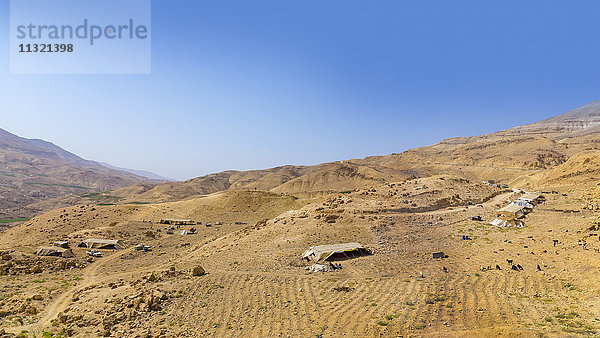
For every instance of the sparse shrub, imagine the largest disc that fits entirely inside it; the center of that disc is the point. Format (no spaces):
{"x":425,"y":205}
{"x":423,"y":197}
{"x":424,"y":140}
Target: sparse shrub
{"x":432,"y":298}
{"x":440,"y":298}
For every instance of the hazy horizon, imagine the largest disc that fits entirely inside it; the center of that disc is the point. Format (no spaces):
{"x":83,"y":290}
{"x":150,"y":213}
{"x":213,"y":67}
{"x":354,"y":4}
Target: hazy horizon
{"x":257,"y":85}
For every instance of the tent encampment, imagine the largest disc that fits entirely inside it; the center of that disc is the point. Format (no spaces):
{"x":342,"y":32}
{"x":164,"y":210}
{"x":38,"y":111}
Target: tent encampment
{"x":177,"y":221}
{"x":335,"y":252}
{"x":102,"y":244}
{"x":54,"y":251}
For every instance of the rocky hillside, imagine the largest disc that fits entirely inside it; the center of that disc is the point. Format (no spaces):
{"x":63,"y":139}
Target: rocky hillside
{"x":501,"y":156}
{"x":583,"y":120}
{"x":34,"y":170}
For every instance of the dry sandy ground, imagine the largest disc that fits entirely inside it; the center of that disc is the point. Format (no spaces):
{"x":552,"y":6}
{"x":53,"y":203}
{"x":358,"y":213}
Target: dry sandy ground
{"x":256,"y":285}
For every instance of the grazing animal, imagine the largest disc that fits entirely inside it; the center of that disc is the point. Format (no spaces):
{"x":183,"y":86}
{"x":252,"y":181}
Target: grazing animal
{"x":498,"y":267}
{"x":514,"y":267}
{"x":519,"y":266}
{"x":445,"y":270}
{"x":509,"y":261}
{"x":539,"y":268}
{"x":555,"y":241}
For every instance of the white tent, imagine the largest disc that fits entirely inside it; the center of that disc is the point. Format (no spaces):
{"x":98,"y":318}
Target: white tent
{"x":507,"y":223}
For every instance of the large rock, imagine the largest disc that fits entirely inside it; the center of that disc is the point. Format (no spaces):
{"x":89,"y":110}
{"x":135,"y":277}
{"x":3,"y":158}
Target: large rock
{"x":198,"y":271}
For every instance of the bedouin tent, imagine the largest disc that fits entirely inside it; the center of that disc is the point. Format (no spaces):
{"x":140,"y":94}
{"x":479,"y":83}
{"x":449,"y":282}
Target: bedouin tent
{"x":108,"y":244}
{"x":54,"y":251}
{"x":511,"y":211}
{"x":335,"y":252}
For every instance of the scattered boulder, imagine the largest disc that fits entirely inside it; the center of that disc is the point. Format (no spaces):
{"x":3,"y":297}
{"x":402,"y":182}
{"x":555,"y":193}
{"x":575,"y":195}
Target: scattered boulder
{"x":4,"y":334}
{"x":152,"y":277}
{"x":331,"y":218}
{"x":198,"y":271}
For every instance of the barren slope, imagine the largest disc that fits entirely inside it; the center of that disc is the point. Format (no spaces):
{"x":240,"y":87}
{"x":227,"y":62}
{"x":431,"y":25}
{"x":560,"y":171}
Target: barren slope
{"x":35,"y":170}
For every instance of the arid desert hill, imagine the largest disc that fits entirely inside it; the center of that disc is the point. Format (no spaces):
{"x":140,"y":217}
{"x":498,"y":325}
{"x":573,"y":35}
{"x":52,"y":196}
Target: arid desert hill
{"x":35,"y":170}
{"x":232,"y":265}
{"x":501,"y":156}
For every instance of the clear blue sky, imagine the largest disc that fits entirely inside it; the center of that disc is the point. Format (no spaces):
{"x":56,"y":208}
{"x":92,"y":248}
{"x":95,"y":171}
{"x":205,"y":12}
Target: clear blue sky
{"x":255,"y":84}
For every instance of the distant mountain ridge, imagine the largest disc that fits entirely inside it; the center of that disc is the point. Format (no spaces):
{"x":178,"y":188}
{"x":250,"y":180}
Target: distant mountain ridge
{"x":521,"y":150}
{"x":583,"y":120}
{"x":142,"y":173}
{"x":524,"y":150}
{"x":33,"y":170}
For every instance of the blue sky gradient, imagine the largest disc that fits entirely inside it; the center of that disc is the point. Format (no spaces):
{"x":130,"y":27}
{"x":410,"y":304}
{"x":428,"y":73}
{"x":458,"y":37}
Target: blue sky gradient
{"x":250,"y":85}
